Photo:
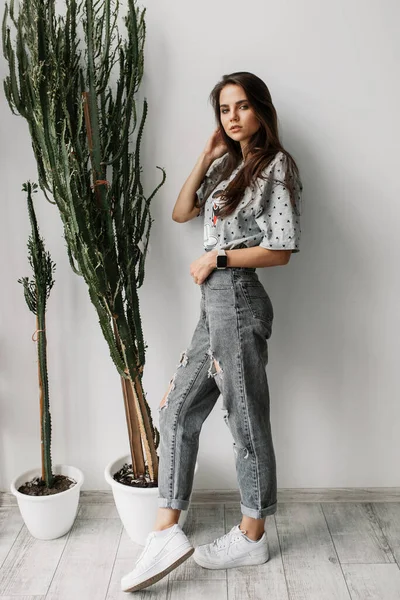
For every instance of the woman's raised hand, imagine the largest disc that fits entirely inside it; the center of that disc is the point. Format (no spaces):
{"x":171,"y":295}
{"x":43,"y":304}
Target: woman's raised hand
{"x":216,"y":147}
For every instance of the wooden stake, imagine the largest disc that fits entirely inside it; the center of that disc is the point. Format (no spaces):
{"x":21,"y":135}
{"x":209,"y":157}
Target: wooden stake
{"x":41,"y":409}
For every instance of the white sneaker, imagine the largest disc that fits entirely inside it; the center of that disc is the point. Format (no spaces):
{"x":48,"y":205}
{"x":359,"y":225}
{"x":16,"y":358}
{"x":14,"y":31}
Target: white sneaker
{"x":161,"y":554}
{"x":233,"y":549}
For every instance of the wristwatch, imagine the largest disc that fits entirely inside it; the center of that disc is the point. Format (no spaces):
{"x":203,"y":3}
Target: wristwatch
{"x":222,"y":259}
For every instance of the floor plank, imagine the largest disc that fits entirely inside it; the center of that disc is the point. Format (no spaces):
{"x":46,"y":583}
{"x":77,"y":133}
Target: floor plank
{"x":388,"y":515}
{"x":97,"y":511}
{"x":262,"y":581}
{"x":356,"y":533}
{"x":86,"y":565}
{"x":22,"y":597}
{"x":30,"y":565}
{"x":375,"y":582}
{"x":204,"y":523}
{"x":309,"y":558}
{"x":316,"y":581}
{"x":197,"y":590}
{"x":11,"y":524}
{"x":127,"y":555}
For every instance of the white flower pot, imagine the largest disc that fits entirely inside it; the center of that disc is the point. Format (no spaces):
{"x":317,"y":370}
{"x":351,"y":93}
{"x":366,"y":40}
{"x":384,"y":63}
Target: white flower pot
{"x":137,"y":507}
{"x":49,"y":517}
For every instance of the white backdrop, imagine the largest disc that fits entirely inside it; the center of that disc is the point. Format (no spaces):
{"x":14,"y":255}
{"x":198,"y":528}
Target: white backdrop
{"x":331,"y":69}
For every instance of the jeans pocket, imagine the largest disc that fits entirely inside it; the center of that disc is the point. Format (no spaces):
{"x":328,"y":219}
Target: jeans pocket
{"x":258,"y":302}
{"x":219,"y":279}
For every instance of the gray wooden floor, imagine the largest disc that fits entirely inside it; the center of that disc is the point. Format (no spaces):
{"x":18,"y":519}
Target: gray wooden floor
{"x":319,"y":551}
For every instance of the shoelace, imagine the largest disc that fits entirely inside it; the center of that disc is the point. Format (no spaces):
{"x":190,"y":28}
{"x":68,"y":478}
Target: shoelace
{"x":221,"y":541}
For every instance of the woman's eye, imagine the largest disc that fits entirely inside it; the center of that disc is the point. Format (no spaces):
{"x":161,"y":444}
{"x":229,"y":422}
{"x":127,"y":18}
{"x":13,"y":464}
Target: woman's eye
{"x":244,"y":106}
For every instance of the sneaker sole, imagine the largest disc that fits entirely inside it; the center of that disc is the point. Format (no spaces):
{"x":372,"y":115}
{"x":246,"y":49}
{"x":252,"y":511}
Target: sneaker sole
{"x":234,"y":564}
{"x":155,"y":578}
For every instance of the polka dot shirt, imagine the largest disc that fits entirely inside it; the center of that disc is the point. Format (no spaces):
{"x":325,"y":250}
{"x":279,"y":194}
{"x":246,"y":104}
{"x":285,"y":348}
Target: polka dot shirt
{"x":264,"y":217}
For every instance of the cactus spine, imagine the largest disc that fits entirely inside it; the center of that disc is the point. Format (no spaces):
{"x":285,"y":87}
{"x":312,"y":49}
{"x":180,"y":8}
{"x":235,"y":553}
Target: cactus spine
{"x":81,"y":128}
{"x":37,"y":291}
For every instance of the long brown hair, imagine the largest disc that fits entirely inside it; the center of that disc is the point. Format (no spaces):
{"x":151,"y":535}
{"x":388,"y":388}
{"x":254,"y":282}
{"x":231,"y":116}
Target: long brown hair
{"x":262,"y":147}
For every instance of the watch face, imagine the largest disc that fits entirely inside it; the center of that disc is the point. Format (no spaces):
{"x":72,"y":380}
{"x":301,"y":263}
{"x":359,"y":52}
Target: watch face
{"x":222,"y":262}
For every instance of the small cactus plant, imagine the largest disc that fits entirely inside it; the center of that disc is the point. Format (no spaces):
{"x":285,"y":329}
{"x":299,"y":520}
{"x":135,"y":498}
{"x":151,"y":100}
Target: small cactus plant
{"x":37,"y":291}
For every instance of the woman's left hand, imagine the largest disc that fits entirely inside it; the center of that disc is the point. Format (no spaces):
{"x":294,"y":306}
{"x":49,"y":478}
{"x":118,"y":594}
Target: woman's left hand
{"x":201,"y":268}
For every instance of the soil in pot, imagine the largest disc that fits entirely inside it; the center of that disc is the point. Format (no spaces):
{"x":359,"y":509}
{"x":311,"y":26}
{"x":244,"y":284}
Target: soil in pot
{"x":38,"y":487}
{"x":126,"y":477}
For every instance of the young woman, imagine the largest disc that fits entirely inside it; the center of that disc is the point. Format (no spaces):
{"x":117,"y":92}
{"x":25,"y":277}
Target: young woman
{"x":248,"y":189}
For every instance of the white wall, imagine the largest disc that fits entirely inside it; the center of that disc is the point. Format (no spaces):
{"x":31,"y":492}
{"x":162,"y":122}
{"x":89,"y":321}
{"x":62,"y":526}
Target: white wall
{"x":332,"y":72}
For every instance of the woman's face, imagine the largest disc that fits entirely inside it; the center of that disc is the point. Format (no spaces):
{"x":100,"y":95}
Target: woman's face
{"x":237,"y":116}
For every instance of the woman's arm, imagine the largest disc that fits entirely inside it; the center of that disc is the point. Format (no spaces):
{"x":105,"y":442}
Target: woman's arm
{"x":184,"y":208}
{"x":256,"y":257}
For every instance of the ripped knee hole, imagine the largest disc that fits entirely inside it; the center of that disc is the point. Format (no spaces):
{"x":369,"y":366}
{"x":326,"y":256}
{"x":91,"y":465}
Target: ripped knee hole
{"x":215,"y":368}
{"x":183,"y":361}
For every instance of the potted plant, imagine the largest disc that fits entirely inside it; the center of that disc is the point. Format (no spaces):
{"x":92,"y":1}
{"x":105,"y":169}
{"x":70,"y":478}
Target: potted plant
{"x":48,"y":501}
{"x":81,"y":128}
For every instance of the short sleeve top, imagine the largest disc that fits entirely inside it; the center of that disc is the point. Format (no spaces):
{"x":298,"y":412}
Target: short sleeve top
{"x":264,"y":217}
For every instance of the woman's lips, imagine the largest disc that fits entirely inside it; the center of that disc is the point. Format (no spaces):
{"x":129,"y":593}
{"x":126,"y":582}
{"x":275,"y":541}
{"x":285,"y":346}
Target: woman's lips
{"x":233,"y":129}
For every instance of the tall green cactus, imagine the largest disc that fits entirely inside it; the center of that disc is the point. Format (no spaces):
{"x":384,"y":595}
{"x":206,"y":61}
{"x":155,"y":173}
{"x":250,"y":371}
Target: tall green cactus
{"x":37,"y":291}
{"x":81,"y":127}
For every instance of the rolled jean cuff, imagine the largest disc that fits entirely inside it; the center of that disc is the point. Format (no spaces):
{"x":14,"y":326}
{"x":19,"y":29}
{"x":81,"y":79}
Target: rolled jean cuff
{"x":174,"y":503}
{"x":259,"y":513}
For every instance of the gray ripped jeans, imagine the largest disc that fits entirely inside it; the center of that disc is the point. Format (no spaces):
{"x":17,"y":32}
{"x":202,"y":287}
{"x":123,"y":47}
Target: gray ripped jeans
{"x":227,"y":355}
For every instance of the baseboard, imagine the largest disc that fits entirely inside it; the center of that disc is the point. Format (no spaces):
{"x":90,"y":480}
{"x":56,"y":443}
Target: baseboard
{"x":284,"y":495}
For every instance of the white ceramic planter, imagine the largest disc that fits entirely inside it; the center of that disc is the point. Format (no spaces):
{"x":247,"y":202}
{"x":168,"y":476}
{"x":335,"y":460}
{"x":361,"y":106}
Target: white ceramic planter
{"x":136,"y":507}
{"x":49,"y":517}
